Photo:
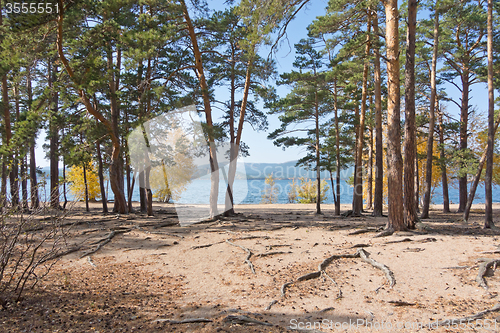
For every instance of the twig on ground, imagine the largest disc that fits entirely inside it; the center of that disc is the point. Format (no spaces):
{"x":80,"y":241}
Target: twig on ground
{"x":185,"y":321}
{"x":399,"y":241}
{"x":283,"y":288}
{"x":205,"y":245}
{"x":270,"y":305}
{"x":270,"y":247}
{"x":327,"y":309}
{"x":247,"y":258}
{"x":476,"y":316}
{"x":89,"y":259}
{"x":272,"y":253}
{"x":244,"y":320}
{"x":339,"y":293}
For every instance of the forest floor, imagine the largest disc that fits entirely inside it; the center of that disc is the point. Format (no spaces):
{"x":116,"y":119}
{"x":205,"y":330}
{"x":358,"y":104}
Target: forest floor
{"x":250,"y":273}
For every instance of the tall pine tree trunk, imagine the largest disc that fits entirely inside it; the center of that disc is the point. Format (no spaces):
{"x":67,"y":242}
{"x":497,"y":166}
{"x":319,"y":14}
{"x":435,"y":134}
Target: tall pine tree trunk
{"x":488,"y":209}
{"x":464,"y":120}
{"x":6,"y":139}
{"x":337,"y":150}
{"x":394,"y":158}
{"x":86,"y":187}
{"x":116,"y":167}
{"x":379,"y":150}
{"x":317,"y":145}
{"x":54,"y":139}
{"x":101,"y":177}
{"x":430,"y":138}
{"x":14,"y":172}
{"x":357,"y":202}
{"x":214,"y":167}
{"x":410,"y":130}
{"x":442,"y":157}
{"x":369,"y":190}
{"x":35,"y":201}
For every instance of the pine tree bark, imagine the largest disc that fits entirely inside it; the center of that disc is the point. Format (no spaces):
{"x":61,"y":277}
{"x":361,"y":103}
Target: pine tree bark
{"x":35,"y":201}
{"x":6,"y":139}
{"x":464,"y":120}
{"x":317,"y":146}
{"x":214,"y":167}
{"x":86,"y":187}
{"x":394,"y":159}
{"x":54,"y":140}
{"x":488,"y":208}
{"x":101,"y":177}
{"x":379,"y":149}
{"x":410,"y":130}
{"x":442,"y":157}
{"x":357,"y":202}
{"x":337,"y":139}
{"x":369,"y":190}
{"x":430,"y":138}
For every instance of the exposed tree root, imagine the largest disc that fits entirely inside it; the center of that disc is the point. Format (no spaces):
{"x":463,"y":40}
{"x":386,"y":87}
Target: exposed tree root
{"x":384,"y":233}
{"x":482,"y":271}
{"x":244,"y":320}
{"x":425,"y":240}
{"x":270,"y":247}
{"x":249,"y":254}
{"x":360,"y":253}
{"x":388,"y":273}
{"x":362,"y":231}
{"x":270,"y":305}
{"x":399,"y":241}
{"x":104,"y":241}
{"x":272,"y":253}
{"x":458,"y":321}
{"x":185,"y":321}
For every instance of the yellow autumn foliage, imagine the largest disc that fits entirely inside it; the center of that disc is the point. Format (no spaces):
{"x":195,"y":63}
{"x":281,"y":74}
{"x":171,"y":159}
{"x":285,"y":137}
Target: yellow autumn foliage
{"x":77,"y":184}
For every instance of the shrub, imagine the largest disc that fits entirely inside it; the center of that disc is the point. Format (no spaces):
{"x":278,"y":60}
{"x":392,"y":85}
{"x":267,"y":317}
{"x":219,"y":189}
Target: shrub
{"x":29,"y":245}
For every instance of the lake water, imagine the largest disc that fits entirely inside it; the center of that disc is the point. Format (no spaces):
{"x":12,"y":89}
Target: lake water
{"x":250,"y":192}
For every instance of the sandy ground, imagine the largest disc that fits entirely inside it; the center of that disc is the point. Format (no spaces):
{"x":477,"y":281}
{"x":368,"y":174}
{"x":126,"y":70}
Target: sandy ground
{"x":157,"y":274}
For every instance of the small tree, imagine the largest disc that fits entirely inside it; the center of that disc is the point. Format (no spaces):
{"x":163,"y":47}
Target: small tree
{"x":292,"y":192}
{"x":271,"y":191}
{"x":307,"y":191}
{"x":77,"y":181}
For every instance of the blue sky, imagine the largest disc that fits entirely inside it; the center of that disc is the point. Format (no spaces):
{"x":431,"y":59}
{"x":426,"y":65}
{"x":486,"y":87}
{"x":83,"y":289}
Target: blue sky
{"x":263,"y":150}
